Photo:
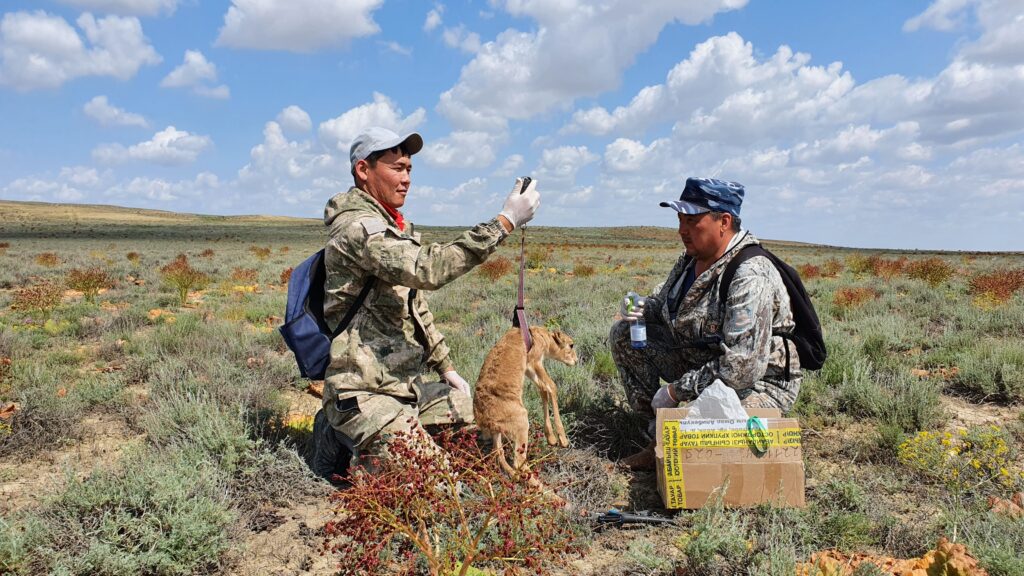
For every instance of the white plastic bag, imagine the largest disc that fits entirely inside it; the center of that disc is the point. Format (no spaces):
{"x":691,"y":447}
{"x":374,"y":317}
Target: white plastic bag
{"x":717,"y":402}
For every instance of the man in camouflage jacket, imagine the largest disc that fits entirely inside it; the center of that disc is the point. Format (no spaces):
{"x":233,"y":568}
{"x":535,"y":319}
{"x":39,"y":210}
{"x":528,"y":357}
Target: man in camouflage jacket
{"x":692,"y":337}
{"x":390,"y":370}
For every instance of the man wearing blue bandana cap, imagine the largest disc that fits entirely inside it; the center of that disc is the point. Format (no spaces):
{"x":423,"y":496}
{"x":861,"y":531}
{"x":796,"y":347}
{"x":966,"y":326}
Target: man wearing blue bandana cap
{"x":693,"y":338}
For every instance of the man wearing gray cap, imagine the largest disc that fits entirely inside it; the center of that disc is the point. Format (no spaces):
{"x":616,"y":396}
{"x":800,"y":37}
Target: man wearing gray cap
{"x":693,"y":336}
{"x":390,"y":370}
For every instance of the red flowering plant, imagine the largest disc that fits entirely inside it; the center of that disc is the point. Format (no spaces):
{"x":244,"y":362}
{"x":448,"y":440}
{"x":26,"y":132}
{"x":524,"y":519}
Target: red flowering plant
{"x":446,"y":511}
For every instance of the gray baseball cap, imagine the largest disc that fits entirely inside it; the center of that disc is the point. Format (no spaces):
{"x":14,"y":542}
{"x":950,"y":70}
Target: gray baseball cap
{"x":375,"y":139}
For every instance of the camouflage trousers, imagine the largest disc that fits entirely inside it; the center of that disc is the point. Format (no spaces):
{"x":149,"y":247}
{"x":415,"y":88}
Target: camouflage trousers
{"x":642,"y":370}
{"x":364,"y":424}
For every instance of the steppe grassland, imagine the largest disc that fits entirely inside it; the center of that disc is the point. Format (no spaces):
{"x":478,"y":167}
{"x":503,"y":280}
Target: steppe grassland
{"x":201,"y":393}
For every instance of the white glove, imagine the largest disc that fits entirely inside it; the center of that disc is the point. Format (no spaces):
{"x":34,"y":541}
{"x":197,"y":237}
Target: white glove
{"x":520,"y":208}
{"x":632,"y":306}
{"x":457,"y":382}
{"x":663,"y":399}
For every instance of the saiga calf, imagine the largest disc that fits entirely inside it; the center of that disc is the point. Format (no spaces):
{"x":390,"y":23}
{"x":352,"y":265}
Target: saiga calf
{"x":498,"y":402}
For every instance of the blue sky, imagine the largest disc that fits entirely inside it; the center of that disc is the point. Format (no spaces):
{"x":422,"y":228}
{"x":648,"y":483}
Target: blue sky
{"x":866,"y":124}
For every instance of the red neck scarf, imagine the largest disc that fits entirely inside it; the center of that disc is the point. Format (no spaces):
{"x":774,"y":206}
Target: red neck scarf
{"x":399,"y":219}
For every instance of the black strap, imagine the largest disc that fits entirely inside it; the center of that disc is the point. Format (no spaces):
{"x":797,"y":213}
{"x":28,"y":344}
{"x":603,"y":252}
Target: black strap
{"x":370,"y":283}
{"x":519,"y":314}
{"x":746,"y":253}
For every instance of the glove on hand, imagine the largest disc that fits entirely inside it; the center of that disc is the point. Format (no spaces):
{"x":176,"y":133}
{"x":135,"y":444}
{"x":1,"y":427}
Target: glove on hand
{"x":457,"y":382}
{"x":632,"y":306}
{"x":520,"y":208}
{"x":663,"y":399}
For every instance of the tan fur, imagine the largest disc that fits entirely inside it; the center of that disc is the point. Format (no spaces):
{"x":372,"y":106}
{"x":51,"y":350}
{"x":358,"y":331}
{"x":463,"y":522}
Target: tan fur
{"x":498,"y":401}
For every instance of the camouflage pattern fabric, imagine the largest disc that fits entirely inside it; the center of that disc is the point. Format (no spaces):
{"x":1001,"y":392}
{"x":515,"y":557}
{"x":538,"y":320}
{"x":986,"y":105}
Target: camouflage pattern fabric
{"x":743,"y":354}
{"x":385,"y":367}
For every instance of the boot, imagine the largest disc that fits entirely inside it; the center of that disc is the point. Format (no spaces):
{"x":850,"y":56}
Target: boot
{"x":330,"y":456}
{"x":642,"y":460}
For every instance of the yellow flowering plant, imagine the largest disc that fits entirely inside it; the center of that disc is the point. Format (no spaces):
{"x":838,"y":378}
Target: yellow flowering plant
{"x":964,"y":460}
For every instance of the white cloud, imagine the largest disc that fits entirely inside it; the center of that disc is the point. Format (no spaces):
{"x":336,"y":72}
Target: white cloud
{"x":1004,"y":162}
{"x":38,"y":50}
{"x":297,"y":25}
{"x":625,"y":155}
{"x":459,"y":38}
{"x":433,"y":19}
{"x":1002,"y":41}
{"x":560,"y":165}
{"x":574,"y":198}
{"x":277,"y":156}
{"x":198,"y":73}
{"x":941,"y":15}
{"x":578,"y":49}
{"x":397,"y":48}
{"x":203,"y":186}
{"x":73,"y":184}
{"x":169,"y":147}
{"x":294,"y":119}
{"x":221,"y":92}
{"x":126,"y":7}
{"x":721,"y":91}
{"x":461,"y":149}
{"x":100,"y":110}
{"x":292,"y":172}
{"x":337,"y":133}
{"x":510,"y":166}
{"x":474,"y":200}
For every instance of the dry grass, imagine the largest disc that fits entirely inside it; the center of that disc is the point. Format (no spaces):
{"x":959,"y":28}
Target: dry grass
{"x":848,"y":298}
{"x":999,"y":285}
{"x":495,"y":267}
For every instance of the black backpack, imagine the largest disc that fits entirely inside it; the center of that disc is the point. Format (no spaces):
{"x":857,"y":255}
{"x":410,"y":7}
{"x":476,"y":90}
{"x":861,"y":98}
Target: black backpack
{"x":810,"y":344}
{"x":305,"y":330}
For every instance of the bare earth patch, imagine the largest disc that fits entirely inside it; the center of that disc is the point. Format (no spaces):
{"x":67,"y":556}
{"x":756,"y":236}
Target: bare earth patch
{"x":964,"y":414}
{"x":288,"y":543}
{"x":24,"y":483}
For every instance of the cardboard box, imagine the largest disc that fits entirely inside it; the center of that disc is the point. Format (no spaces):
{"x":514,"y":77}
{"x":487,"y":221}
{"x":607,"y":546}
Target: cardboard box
{"x":697,"y":457}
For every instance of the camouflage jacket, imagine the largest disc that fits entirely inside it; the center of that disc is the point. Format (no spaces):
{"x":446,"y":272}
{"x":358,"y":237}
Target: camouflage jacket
{"x":733,"y":342}
{"x":392,"y":339}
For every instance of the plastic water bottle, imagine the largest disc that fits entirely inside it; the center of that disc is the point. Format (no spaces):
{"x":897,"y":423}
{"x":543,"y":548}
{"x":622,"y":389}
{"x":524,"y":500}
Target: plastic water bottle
{"x":637,"y":328}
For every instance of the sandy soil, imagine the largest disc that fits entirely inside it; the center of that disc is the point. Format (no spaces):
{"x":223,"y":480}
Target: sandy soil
{"x":285,"y":541}
{"x":25,"y":483}
{"x":964,"y":414}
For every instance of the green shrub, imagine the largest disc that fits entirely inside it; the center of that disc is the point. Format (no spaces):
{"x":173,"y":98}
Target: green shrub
{"x":839,"y":517}
{"x":581,"y":270}
{"x":900,"y":400}
{"x":183,"y":277}
{"x":858,"y":264}
{"x":718,"y":542}
{"x":537,"y":258}
{"x":604,"y":366}
{"x":89,"y":281}
{"x":996,"y":540}
{"x":935,"y":271}
{"x":163,"y":514}
{"x":992,"y":369}
{"x":184,"y":420}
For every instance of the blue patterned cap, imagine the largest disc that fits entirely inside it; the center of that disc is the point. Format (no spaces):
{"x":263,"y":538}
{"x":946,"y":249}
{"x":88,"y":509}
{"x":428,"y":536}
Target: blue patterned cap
{"x":708,"y":195}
